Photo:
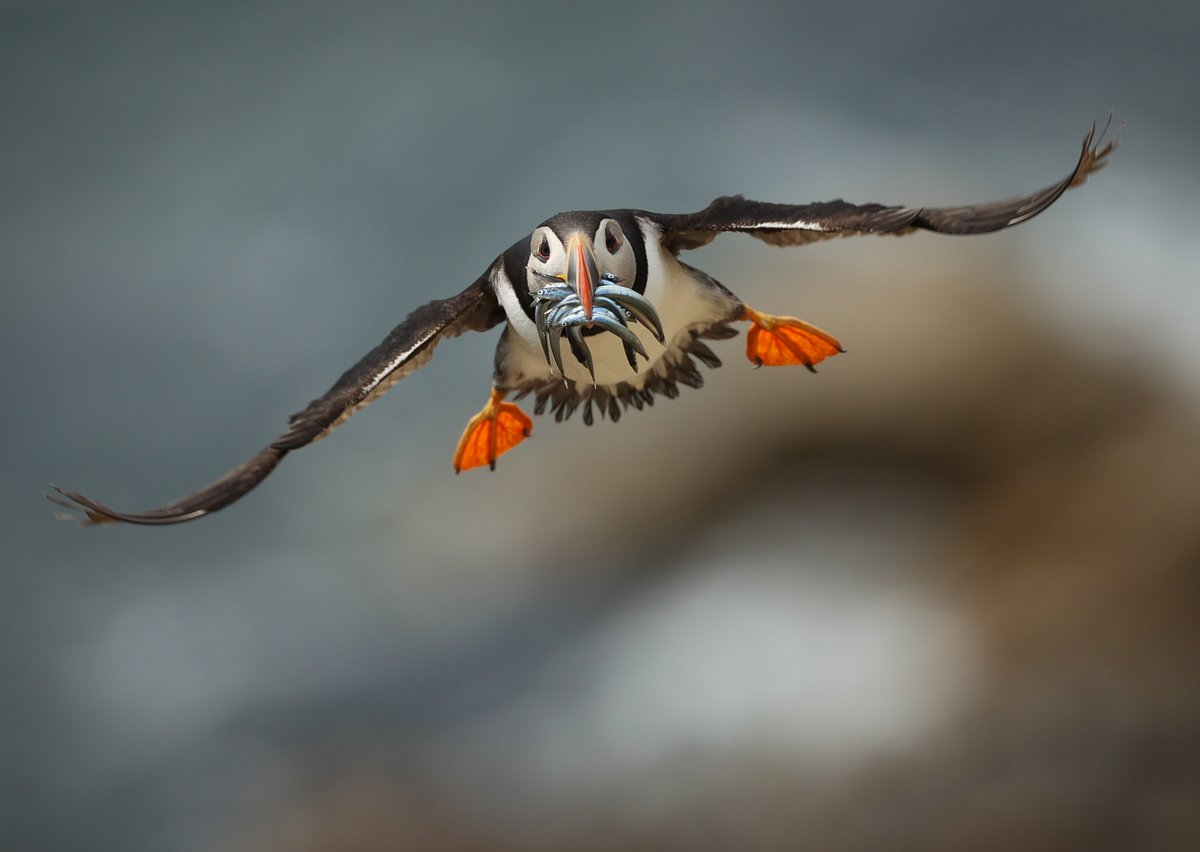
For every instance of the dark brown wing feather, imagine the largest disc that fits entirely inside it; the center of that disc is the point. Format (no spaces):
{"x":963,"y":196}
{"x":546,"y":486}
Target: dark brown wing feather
{"x":408,"y":347}
{"x":799,"y":224}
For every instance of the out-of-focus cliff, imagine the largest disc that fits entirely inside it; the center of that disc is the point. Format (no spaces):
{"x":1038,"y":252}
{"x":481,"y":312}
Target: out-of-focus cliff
{"x":940,"y":596}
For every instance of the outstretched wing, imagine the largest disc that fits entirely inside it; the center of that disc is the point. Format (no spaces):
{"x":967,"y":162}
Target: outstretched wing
{"x":408,"y":347}
{"x":800,"y":224}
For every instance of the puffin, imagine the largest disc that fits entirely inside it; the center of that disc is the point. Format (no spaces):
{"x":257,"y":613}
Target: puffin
{"x":600,"y":314}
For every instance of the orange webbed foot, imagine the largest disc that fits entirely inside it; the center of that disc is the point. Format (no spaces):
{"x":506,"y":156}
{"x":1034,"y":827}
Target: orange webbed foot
{"x":495,"y":430}
{"x":781,"y":341}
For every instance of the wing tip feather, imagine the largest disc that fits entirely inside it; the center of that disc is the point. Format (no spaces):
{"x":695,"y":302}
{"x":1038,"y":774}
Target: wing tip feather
{"x":1095,"y":153}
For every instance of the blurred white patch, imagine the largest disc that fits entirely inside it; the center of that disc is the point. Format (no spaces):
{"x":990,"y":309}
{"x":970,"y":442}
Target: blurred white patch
{"x":792,"y":634}
{"x":759,"y":653}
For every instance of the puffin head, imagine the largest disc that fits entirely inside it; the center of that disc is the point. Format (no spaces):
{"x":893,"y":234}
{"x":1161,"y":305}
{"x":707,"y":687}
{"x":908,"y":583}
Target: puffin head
{"x":578,"y":264}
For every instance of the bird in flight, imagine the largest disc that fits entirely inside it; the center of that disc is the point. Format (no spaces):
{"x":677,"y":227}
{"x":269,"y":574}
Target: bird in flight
{"x":599,"y":314}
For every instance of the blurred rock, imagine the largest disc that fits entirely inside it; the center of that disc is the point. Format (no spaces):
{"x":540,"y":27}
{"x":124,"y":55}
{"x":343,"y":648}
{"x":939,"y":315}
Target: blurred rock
{"x":1066,"y":537}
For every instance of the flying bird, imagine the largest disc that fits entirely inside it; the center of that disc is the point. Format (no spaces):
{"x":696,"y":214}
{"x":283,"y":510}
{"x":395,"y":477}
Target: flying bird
{"x":600,"y":314}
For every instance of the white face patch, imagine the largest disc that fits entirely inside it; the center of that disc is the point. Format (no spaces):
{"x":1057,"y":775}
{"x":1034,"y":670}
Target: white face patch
{"x":614,"y":254}
{"x":547,"y":257}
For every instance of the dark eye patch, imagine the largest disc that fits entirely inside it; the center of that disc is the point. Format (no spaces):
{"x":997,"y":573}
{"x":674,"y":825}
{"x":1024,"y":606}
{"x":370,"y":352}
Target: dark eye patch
{"x":611,"y":241}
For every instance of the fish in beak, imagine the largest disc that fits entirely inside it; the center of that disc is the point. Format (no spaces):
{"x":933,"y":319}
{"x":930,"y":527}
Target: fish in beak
{"x":586,"y":299}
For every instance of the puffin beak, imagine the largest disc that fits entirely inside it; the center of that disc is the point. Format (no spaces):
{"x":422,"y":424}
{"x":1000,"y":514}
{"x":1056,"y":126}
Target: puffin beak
{"x":582,"y":274}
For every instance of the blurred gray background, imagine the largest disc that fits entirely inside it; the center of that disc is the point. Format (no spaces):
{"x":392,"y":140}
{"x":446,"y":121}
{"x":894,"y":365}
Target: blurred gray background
{"x":940,"y":596}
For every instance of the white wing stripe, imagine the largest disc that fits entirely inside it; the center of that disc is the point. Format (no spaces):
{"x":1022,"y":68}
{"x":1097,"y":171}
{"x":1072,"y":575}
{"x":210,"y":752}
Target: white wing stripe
{"x":397,"y":361}
{"x":800,"y":225}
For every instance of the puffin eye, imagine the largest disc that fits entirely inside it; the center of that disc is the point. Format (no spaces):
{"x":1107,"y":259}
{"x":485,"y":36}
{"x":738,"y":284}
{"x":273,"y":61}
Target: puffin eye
{"x":543,"y":249}
{"x":611,"y":240}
